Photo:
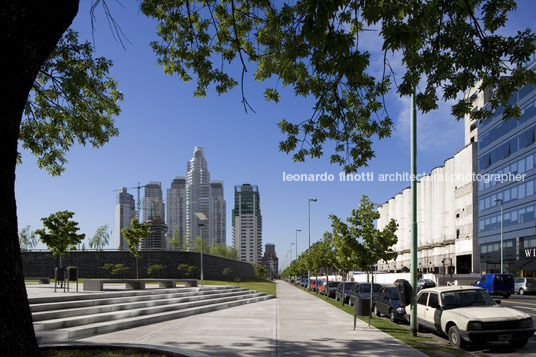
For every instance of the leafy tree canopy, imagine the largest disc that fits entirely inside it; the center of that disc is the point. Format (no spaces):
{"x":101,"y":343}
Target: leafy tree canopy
{"x":60,"y":232}
{"x":73,"y":99}
{"x":101,"y":238}
{"x":313,"y":46}
{"x":360,"y":241}
{"x":134,"y":234}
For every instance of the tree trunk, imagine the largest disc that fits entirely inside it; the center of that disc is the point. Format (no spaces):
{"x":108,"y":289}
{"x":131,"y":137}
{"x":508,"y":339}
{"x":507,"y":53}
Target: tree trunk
{"x":29,"y":31}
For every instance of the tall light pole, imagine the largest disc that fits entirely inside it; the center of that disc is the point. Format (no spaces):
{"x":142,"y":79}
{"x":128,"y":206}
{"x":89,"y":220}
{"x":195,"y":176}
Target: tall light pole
{"x":413,"y":247}
{"x":297,"y":230}
{"x":309,"y":214}
{"x":202,"y":218}
{"x":501,"y":202}
{"x":291,"y":244}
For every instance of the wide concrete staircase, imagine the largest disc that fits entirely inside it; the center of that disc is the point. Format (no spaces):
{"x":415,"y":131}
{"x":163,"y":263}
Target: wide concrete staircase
{"x":64,"y":317}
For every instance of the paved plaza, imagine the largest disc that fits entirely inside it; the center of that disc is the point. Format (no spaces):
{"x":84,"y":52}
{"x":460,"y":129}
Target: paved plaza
{"x":294,"y":324}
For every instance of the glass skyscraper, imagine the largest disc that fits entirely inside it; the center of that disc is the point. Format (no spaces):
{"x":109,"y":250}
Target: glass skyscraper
{"x":507,"y":148}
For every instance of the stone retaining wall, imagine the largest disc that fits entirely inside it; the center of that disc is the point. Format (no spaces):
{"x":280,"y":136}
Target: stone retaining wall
{"x":89,"y":263}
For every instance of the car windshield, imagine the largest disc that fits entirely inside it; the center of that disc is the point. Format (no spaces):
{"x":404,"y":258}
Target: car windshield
{"x":365,"y":288}
{"x":333,"y":284}
{"x":348,"y":285}
{"x":465,"y":298}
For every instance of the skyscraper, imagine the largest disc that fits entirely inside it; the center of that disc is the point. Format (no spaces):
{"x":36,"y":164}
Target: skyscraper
{"x":197,"y":194}
{"x":247,"y":223}
{"x":153,"y":204}
{"x":125,"y":210}
{"x":153,"y":213}
{"x":217,"y":213}
{"x":176,"y":212}
{"x":270,"y":262}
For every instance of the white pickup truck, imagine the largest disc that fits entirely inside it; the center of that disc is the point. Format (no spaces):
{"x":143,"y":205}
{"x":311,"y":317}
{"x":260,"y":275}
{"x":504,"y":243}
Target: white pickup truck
{"x":467,"y":314}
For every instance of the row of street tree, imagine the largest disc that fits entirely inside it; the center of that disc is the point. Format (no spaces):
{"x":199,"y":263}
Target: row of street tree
{"x":356,"y":243}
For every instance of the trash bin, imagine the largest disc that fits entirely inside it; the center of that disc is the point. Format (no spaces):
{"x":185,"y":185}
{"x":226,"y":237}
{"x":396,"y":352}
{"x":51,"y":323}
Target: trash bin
{"x":59,"y":274}
{"x":72,"y":273}
{"x":362,"y":307}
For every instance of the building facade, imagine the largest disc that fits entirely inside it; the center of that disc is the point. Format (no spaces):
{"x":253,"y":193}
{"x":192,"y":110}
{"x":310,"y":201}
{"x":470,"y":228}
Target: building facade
{"x":247,"y":224}
{"x":217,"y":219}
{"x":154,"y":213}
{"x":197,"y":194}
{"x":125,"y":210}
{"x":153,"y":203}
{"x":506,"y":194}
{"x":447,"y":237}
{"x":204,"y":197}
{"x":176,"y":213}
{"x":270,"y":262}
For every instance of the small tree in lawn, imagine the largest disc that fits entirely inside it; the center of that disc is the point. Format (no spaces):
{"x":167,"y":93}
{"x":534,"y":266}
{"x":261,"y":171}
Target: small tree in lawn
{"x":186,"y":269}
{"x":133,"y":236}
{"x":154,"y":269}
{"x":119,"y":269}
{"x":60,"y":233}
{"x":362,"y":241}
{"x":109,"y":268}
{"x":260,"y":271}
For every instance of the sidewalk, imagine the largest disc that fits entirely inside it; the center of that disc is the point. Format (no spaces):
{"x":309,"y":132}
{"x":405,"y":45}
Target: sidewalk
{"x":294,"y":324}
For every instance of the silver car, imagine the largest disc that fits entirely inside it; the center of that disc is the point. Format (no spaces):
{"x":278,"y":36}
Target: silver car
{"x":525,"y":285}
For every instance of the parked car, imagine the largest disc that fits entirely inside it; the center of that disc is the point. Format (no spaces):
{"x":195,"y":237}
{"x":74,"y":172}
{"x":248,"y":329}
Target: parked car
{"x":467,"y":314}
{"x":425,"y":284}
{"x":342,"y":293}
{"x":321,"y":287}
{"x":524,"y":286}
{"x":330,"y":288}
{"x":362,"y":291}
{"x":497,"y":284}
{"x":388,"y":303}
{"x":312,"y":284}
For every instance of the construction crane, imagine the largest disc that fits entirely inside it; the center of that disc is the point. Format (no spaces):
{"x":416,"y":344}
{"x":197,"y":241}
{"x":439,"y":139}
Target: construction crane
{"x":131,"y":188}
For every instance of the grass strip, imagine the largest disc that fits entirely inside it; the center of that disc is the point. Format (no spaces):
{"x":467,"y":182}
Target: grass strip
{"x":260,"y":285}
{"x":426,"y":345}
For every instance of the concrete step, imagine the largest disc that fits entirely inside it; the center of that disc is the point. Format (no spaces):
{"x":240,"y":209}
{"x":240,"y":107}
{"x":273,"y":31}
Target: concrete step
{"x":117,"y":304}
{"x":94,"y":328}
{"x":117,"y":315}
{"x":91,"y":301}
{"x":114,"y":294}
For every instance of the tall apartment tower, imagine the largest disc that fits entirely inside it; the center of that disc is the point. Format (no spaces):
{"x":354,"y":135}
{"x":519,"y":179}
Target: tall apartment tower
{"x":153,"y":212}
{"x":247,"y":224}
{"x":125,"y":210}
{"x":153,"y":203}
{"x":176,"y":212}
{"x":217,"y":213}
{"x":197,"y":195}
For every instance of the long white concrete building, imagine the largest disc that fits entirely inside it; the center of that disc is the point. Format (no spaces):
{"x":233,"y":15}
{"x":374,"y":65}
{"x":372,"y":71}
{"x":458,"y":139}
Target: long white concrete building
{"x":447,"y":230}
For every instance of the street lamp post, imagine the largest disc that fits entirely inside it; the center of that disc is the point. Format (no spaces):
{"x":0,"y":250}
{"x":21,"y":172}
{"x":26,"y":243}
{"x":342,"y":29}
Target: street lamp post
{"x":291,"y":244}
{"x":297,"y":230}
{"x":201,"y":216}
{"x":501,"y":203}
{"x":309,"y":215}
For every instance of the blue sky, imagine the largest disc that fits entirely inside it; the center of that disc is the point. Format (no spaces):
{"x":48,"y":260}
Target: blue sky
{"x":161,"y":122}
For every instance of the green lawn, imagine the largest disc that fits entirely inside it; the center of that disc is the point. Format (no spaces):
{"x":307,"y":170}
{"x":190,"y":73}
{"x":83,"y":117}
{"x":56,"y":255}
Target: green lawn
{"x":260,"y":285}
{"x":426,"y":345}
